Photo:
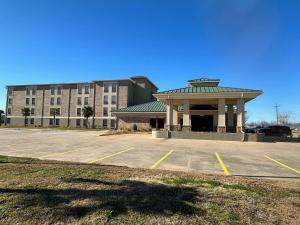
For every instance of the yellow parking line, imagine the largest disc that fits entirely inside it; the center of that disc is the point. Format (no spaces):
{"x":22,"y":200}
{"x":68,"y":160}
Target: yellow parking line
{"x":59,"y":153}
{"x":286,"y":166}
{"x":161,"y":159}
{"x":222,"y":164}
{"x":105,"y":157}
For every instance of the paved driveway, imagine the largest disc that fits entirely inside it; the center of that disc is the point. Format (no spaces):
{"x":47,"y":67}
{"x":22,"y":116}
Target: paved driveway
{"x":273,"y":160}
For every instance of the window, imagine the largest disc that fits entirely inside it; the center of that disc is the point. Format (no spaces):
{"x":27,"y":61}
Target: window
{"x":78,"y":100}
{"x":52,"y":91}
{"x":106,"y":86}
{"x":10,"y":91}
{"x":58,"y":101}
{"x":32,"y":111}
{"x":31,"y":121}
{"x":85,"y":123}
{"x":113,"y":99}
{"x":80,"y":90}
{"x":78,"y":111}
{"x":113,"y":124}
{"x":26,"y":121}
{"x":52,"y":101}
{"x":10,"y":101}
{"x":105,"y":123}
{"x":57,"y":122}
{"x":86,"y":100}
{"x":112,"y":109}
{"x":27,"y":91}
{"x":59,"y":90}
{"x":8,"y":111}
{"x":78,"y":122}
{"x":27,"y":101}
{"x":8,"y":120}
{"x":51,"y":122}
{"x":33,"y":92}
{"x":54,"y":110}
{"x":58,"y":111}
{"x":114,"y":87}
{"x":105,"y":101}
{"x":86,"y":89}
{"x":33,"y":101}
{"x":105,"y":111}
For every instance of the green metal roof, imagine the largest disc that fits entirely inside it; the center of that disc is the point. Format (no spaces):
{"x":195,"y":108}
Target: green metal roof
{"x":206,"y":90}
{"x":155,"y":106}
{"x":204,"y":80}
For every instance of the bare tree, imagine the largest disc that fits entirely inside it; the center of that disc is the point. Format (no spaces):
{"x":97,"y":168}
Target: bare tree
{"x":284,"y":118}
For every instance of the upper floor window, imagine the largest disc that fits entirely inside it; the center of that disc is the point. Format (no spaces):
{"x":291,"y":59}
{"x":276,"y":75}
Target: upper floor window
{"x":27,"y":91}
{"x":79,"y":101}
{"x":105,"y":111}
{"x":58,"y":101}
{"x":32,"y":111}
{"x":55,"y":111}
{"x":27,"y":101}
{"x":10,"y":91}
{"x":52,"y":91}
{"x":105,"y":99}
{"x":10,"y":101}
{"x":113,"y":99}
{"x":78,"y":111}
{"x":112,"y":109}
{"x":52,"y":101}
{"x":86,"y":89}
{"x":114,"y":87}
{"x":33,"y":91}
{"x":79,"y":90}
{"x":86,"y":100}
{"x":59,"y":90}
{"x":106,"y":87}
{"x":8,"y":111}
{"x":31,"y":121}
{"x":33,"y":101}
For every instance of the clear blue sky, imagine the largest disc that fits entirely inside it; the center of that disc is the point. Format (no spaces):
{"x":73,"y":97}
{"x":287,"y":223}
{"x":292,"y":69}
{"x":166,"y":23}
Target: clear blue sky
{"x":249,"y":43}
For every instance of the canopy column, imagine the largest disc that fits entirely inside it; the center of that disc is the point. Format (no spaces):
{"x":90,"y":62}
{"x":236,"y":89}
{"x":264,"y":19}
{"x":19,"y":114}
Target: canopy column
{"x":169,"y":123}
{"x":175,"y":118}
{"x":240,"y":115}
{"x":221,"y":116}
{"x":186,"y":126}
{"x":230,"y":118}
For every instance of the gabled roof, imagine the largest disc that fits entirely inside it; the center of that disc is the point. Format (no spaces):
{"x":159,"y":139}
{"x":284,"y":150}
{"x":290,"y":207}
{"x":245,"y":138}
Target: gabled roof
{"x":217,"y":89}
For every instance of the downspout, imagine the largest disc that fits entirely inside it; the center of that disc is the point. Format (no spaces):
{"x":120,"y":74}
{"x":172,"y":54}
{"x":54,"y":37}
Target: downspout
{"x":43,"y":102}
{"x":244,"y":134}
{"x":94,"y":106}
{"x":5,"y":122}
{"x":69,"y":106}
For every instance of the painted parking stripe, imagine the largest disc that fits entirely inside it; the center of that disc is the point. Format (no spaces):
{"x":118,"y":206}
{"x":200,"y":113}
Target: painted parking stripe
{"x":161,"y":159}
{"x":222,"y":164}
{"x":105,"y":157}
{"x":59,"y":153}
{"x":281,"y":164}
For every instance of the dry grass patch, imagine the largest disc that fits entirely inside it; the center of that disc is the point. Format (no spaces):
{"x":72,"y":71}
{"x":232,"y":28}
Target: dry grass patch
{"x":49,"y":192}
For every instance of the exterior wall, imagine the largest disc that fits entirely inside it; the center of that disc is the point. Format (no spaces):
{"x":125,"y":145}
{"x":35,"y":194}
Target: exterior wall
{"x":142,"y":91}
{"x":141,"y":123}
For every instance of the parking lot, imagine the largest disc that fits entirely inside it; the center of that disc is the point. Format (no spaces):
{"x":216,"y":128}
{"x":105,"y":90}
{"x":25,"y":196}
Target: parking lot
{"x":266,"y":160}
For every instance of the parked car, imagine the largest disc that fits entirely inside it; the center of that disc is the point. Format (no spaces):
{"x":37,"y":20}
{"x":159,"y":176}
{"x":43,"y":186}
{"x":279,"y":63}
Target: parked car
{"x":277,"y":131}
{"x":251,"y":130}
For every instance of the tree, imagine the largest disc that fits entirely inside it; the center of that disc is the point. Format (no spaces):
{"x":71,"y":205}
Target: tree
{"x":87,"y":112}
{"x":25,"y":113}
{"x":284,"y":118}
{"x":1,"y":114}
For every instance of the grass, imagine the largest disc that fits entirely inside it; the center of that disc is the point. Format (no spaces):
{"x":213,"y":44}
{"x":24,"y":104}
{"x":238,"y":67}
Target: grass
{"x":49,"y":192}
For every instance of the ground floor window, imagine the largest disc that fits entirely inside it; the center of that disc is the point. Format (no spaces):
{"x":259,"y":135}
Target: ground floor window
{"x":8,"y":120}
{"x":57,"y":122}
{"x":78,"y":122}
{"x":51,"y":122}
{"x":160,"y":123}
{"x":104,"y":123}
{"x":113,"y":124}
{"x":32,"y":121}
{"x":85,"y":122}
{"x":26,"y":121}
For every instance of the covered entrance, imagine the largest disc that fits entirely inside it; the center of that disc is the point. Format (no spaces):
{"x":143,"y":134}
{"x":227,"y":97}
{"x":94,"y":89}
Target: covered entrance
{"x":202,"y":123}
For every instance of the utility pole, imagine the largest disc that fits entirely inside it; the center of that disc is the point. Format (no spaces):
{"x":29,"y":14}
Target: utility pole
{"x":277,"y":117}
